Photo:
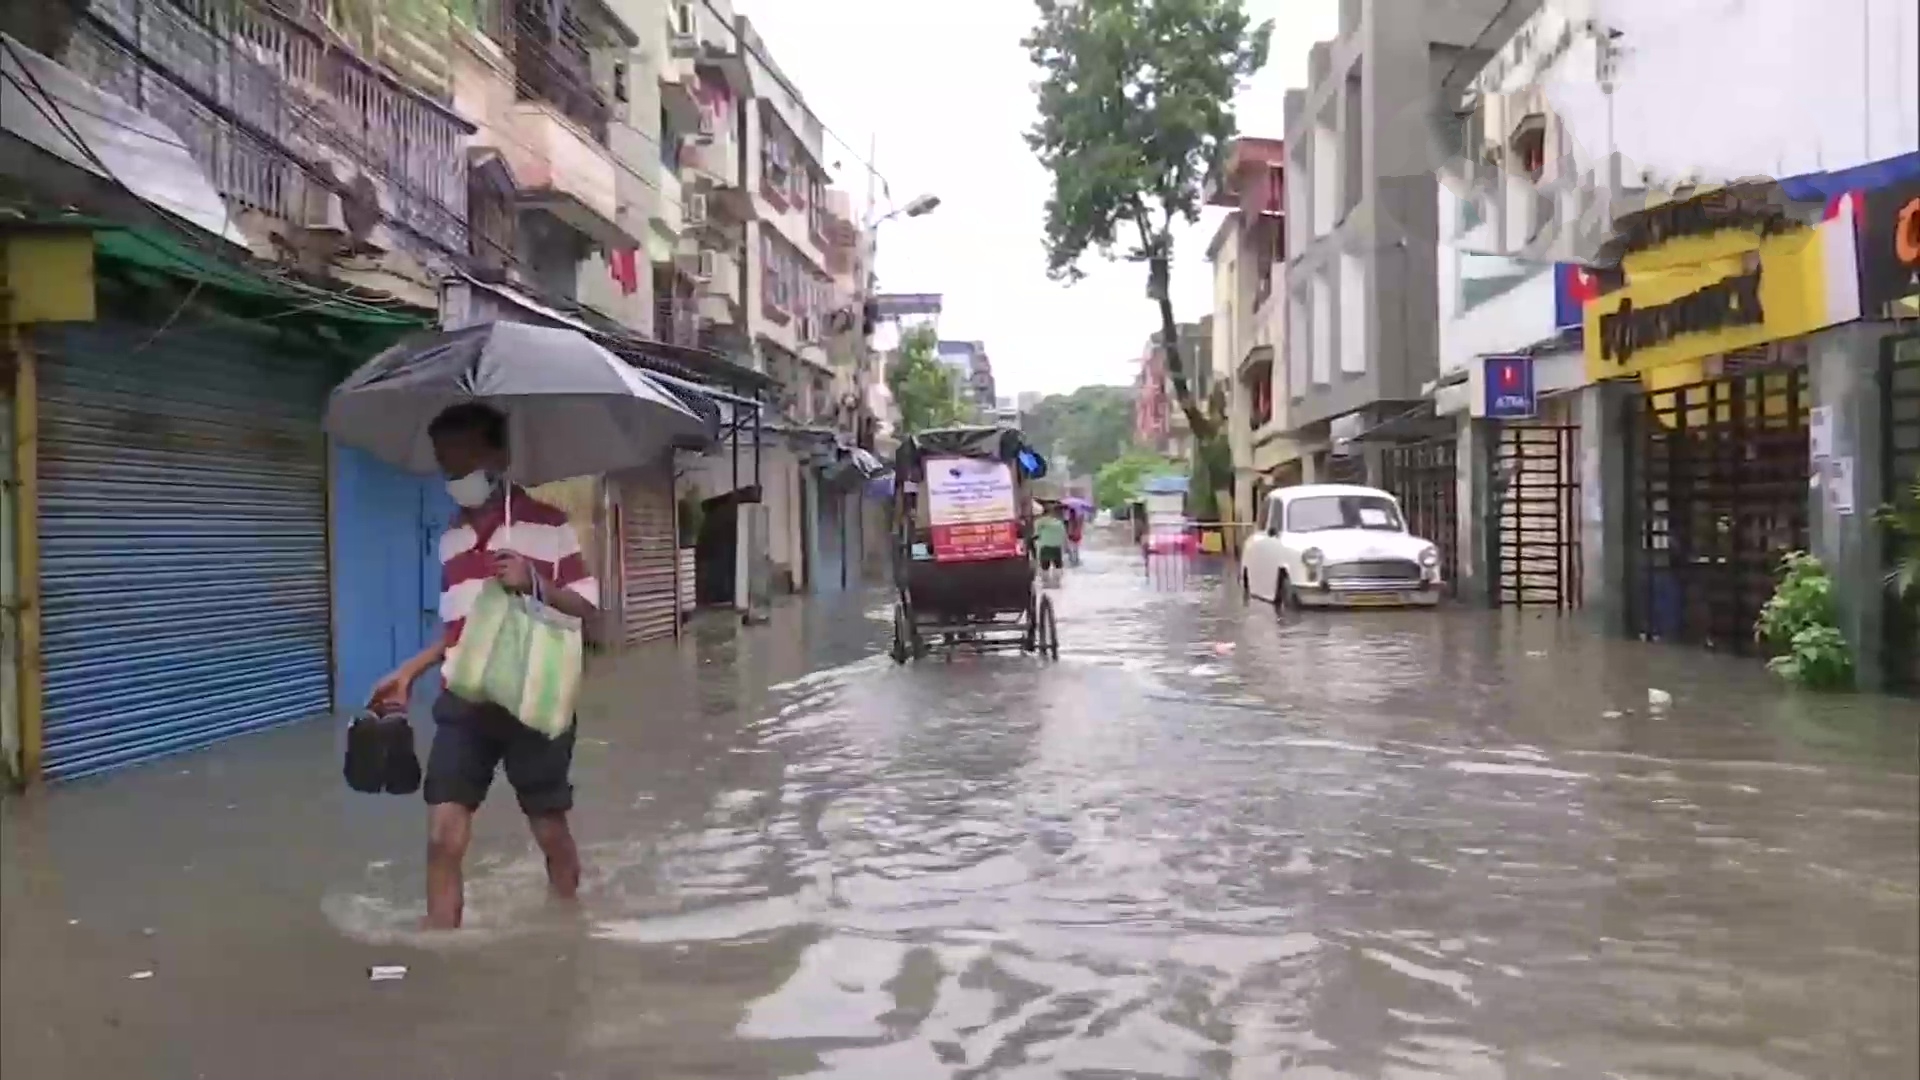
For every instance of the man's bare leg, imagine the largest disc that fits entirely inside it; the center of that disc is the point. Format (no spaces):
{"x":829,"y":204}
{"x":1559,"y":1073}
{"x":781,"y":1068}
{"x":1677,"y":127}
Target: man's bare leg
{"x":550,"y":831}
{"x":449,"y":831}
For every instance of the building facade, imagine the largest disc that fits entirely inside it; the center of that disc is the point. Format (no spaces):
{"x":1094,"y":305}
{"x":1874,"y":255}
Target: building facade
{"x":1360,"y":202}
{"x":1603,"y":456}
{"x":328,"y":184}
{"x":1248,"y":256}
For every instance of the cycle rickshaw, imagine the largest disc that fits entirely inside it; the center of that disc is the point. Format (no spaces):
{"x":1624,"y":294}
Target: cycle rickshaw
{"x":963,"y":538}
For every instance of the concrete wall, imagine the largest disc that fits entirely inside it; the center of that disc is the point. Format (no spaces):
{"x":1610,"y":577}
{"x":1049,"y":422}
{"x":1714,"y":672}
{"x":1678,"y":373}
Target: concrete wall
{"x":1755,"y":89}
{"x":1843,"y":370}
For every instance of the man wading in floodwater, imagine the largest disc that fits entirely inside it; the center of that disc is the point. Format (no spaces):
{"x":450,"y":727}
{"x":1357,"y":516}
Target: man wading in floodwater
{"x":536,"y":549}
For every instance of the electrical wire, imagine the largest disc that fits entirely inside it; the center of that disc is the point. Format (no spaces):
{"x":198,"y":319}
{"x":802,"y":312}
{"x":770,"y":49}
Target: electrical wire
{"x":43,"y":101}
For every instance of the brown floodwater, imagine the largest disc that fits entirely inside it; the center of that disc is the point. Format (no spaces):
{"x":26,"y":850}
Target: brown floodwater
{"x":1210,"y":841}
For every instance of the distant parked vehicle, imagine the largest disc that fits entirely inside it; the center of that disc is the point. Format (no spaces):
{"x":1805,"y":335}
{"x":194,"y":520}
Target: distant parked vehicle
{"x":1338,"y":545}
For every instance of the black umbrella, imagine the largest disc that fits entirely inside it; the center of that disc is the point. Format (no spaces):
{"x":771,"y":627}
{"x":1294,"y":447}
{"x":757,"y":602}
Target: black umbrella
{"x":572,"y":407}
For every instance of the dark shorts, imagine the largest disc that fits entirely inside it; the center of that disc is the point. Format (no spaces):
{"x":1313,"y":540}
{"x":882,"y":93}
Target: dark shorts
{"x":1051,"y":558}
{"x":471,"y":740}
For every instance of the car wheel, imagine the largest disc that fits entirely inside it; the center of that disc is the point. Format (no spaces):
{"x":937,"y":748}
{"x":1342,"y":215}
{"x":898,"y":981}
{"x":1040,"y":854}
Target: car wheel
{"x":1246,"y":587}
{"x":1283,"y":594}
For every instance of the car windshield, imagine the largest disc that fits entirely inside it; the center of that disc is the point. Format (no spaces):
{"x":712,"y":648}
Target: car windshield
{"x":1319,"y":512}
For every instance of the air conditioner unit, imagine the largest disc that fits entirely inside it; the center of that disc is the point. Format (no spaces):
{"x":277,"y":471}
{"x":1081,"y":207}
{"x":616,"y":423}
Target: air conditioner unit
{"x":696,"y":209}
{"x":703,"y":267}
{"x":809,"y":328}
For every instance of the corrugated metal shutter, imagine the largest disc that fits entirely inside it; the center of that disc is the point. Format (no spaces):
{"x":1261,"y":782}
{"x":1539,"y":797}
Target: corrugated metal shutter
{"x":183,"y":540}
{"x":649,"y":555}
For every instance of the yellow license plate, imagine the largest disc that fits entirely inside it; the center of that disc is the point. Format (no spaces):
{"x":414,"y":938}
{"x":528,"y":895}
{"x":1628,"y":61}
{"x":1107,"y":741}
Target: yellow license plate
{"x":1374,"y":599}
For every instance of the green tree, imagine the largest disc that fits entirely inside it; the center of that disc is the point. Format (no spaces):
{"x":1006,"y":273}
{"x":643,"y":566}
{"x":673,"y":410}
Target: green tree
{"x":1118,"y":482}
{"x":923,"y":388}
{"x":1135,"y":115}
{"x":1089,"y":427}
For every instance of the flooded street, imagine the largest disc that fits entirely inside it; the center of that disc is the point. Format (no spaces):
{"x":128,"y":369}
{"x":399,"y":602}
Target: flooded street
{"x":1209,"y":842}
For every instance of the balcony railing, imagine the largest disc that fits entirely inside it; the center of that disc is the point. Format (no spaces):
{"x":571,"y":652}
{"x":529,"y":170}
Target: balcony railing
{"x":273,"y":112}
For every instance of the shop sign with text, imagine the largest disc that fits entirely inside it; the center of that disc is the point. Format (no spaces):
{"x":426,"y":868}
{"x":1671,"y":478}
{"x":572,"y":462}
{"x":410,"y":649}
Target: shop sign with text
{"x":1511,"y":394}
{"x":970,"y":506}
{"x":1695,"y":297}
{"x":1889,"y":246}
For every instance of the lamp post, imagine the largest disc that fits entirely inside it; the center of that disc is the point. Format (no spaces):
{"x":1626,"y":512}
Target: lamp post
{"x":919,"y":206}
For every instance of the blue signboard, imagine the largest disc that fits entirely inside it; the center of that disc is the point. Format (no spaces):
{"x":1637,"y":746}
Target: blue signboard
{"x":1510,"y":390}
{"x":1573,"y":286}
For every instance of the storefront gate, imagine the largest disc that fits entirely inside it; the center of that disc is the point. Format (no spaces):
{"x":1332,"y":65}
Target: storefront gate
{"x":1421,"y":475}
{"x":1718,"y":476}
{"x":1900,"y":419}
{"x":1536,"y":529}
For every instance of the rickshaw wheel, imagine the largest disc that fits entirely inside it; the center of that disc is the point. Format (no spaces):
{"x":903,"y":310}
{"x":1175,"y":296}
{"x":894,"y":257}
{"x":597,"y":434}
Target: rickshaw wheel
{"x":1049,"y":636}
{"x":901,"y":651}
{"x":1030,"y":640}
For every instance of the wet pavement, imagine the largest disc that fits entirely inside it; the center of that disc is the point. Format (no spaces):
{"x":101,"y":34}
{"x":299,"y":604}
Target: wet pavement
{"x":1209,"y":842}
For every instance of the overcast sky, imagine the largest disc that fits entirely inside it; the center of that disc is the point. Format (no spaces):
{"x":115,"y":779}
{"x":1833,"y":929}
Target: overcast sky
{"x":945,"y":89}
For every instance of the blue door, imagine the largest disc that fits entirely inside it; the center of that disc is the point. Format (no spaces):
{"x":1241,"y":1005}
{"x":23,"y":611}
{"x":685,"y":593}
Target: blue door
{"x":386,"y":569}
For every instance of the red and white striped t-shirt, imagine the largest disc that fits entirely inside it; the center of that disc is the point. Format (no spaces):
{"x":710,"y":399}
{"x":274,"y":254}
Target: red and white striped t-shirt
{"x":540,"y":532}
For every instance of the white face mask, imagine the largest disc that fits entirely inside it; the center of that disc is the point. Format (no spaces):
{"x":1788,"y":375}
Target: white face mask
{"x":472,"y":490}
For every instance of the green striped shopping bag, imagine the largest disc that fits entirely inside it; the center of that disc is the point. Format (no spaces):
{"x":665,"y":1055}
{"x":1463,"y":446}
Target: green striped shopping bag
{"x":522,"y":655}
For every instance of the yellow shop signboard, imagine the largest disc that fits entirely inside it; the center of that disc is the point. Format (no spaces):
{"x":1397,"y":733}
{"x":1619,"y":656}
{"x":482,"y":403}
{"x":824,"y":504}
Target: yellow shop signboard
{"x":1700,"y":296}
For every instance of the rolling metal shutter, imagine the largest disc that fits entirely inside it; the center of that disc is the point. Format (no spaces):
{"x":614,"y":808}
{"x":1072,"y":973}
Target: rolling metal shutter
{"x":183,"y":540}
{"x":649,"y":555}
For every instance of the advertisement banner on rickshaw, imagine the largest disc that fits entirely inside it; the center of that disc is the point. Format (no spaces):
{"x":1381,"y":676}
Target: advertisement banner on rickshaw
{"x":971,"y":508}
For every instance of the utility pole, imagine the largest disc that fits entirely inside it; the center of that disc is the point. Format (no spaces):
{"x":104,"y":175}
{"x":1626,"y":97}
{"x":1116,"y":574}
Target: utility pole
{"x":863,"y":419}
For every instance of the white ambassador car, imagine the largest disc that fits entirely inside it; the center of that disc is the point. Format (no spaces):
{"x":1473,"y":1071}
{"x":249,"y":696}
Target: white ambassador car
{"x":1338,"y":545}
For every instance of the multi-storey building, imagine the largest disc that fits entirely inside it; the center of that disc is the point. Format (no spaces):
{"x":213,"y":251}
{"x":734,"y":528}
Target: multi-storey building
{"x":1656,"y":469}
{"x":429,"y":164}
{"x":972,"y":372}
{"x":1248,"y":254}
{"x":1360,"y":206}
{"x":1159,"y":421}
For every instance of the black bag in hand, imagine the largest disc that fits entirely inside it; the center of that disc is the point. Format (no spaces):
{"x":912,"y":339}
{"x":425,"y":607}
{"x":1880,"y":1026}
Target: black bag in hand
{"x":380,"y":755}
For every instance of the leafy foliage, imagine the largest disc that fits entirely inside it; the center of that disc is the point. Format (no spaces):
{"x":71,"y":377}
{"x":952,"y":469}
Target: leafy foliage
{"x":923,"y":388}
{"x":1901,"y":519}
{"x":1135,"y":115}
{"x":1118,"y":482}
{"x":1799,"y":619}
{"x":1089,"y":427}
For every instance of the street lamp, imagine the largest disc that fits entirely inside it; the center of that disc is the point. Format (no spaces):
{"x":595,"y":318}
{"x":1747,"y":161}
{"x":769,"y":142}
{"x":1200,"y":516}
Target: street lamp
{"x":920,"y":206}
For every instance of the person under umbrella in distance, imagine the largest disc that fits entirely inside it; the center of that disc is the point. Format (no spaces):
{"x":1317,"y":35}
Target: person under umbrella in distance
{"x":504,"y":533}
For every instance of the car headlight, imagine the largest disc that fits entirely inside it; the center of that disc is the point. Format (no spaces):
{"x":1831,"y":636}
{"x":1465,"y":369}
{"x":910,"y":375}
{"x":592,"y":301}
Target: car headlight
{"x":1312,"y":557}
{"x":1430,"y":557}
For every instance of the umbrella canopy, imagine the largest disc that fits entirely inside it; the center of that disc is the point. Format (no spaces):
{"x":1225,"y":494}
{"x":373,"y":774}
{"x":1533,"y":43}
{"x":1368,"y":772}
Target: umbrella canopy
{"x":572,"y":407}
{"x":1075,"y":502}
